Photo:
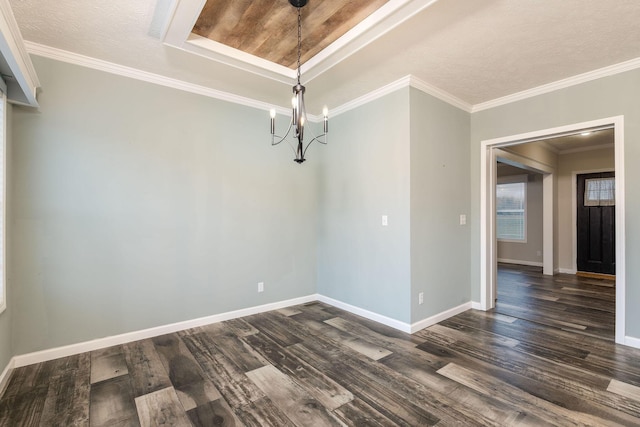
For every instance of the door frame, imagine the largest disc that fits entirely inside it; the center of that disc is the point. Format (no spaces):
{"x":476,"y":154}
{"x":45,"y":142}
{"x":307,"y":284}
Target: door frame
{"x":488,"y":252}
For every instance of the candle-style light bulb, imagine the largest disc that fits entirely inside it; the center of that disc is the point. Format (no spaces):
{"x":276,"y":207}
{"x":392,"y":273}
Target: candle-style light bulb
{"x":272,"y":113}
{"x":325,"y":121}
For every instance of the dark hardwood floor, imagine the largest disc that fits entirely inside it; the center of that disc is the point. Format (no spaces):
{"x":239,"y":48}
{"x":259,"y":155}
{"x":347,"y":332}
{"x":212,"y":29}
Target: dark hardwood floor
{"x":545,"y":356}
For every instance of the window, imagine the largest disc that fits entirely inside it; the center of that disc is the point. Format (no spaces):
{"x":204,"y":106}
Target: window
{"x":3,"y":146}
{"x":600,"y":192}
{"x":511,"y":214}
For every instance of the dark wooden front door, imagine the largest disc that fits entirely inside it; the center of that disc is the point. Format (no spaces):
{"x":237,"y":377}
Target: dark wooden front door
{"x":596,"y":230}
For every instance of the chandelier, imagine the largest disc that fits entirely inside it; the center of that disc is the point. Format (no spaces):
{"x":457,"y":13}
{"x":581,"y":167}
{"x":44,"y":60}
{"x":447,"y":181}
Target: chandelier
{"x":299,"y":111}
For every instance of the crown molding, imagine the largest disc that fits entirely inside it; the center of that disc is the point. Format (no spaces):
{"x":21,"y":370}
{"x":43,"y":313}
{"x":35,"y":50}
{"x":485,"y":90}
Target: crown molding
{"x":409,"y":80}
{"x":406,"y":81}
{"x":560,"y":84}
{"x":121,"y":70}
{"x":440,"y":94}
{"x":371,"y":96}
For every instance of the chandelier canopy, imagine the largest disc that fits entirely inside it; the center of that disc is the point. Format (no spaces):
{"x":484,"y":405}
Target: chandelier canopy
{"x":299,"y":111}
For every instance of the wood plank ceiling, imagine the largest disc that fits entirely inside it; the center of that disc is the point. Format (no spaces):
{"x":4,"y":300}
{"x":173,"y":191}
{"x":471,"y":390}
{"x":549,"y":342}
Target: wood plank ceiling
{"x":268,"y":28}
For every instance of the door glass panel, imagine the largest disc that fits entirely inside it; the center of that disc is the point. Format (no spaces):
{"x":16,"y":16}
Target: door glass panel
{"x":600,"y":192}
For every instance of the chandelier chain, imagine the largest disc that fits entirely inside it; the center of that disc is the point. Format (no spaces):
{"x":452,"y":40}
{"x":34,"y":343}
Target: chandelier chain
{"x":299,"y":40}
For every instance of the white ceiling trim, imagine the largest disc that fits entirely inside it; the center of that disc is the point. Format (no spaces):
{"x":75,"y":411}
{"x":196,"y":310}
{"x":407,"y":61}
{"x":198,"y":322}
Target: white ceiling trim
{"x":97,"y":64}
{"x":109,"y":67}
{"x":399,"y":84}
{"x":380,"y":22}
{"x":23,"y":89}
{"x":560,"y":84}
{"x":440,"y":94}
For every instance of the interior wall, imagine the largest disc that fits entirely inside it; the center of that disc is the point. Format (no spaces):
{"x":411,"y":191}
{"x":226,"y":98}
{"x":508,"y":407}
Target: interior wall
{"x":601,"y":159}
{"x":6,"y":349}
{"x":530,"y":251}
{"x":439,"y":195}
{"x":601,"y":98}
{"x":365,"y":175}
{"x":137,"y":205}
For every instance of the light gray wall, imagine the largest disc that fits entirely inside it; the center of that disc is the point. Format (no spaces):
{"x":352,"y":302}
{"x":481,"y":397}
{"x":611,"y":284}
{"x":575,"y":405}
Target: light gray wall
{"x":439,"y":195}
{"x":526,"y":252}
{"x":6,"y":349}
{"x":137,"y":206}
{"x":568,"y":164}
{"x":365,"y":174}
{"x":605,"y":97}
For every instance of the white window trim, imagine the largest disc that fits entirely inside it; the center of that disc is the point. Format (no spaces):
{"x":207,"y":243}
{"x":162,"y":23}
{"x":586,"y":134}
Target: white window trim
{"x":512,"y":179}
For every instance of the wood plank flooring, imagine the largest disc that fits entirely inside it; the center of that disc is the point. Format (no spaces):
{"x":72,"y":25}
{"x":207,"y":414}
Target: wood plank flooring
{"x":544,"y":356}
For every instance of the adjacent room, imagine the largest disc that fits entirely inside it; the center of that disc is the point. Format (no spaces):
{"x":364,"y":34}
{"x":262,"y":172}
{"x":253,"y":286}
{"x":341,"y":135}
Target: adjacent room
{"x":306,"y":212}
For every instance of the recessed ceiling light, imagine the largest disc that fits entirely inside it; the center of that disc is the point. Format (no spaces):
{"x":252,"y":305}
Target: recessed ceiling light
{"x":585,"y":133}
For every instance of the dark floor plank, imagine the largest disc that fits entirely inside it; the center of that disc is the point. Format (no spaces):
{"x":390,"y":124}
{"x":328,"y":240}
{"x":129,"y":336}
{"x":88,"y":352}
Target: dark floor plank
{"x":112,"y":403}
{"x":67,"y":402}
{"x":357,"y":413}
{"x":262,"y":412}
{"x":216,"y":413}
{"x":232,"y":383}
{"x":398,"y":398}
{"x":145,"y":368}
{"x":237,"y":351}
{"x":23,"y":409}
{"x":267,"y":324}
{"x":186,"y":375}
{"x":292,"y":399}
{"x":331,"y":394}
{"x":549,"y":413}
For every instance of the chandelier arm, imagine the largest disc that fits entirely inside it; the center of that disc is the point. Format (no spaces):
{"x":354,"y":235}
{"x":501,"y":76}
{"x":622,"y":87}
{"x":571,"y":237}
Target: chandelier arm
{"x":283,"y":138}
{"x":315,"y":138}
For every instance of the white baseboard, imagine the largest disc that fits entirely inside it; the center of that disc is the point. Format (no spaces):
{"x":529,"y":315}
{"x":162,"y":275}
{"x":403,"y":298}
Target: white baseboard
{"x":632,"y":341}
{"x":4,"y":376}
{"x":429,"y":321}
{"x":69,"y":350}
{"x":567,"y":271}
{"x":520,"y":262}
{"x":396,"y":324}
{"x":477,"y":306}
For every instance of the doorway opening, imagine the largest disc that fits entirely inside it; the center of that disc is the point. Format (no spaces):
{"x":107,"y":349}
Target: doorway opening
{"x":490,"y":152}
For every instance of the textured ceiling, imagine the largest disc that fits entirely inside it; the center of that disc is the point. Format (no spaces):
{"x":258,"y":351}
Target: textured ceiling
{"x":474,"y":50}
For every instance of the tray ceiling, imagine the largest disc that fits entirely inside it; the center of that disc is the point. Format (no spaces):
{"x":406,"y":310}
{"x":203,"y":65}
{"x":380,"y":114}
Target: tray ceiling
{"x":268,"y":28}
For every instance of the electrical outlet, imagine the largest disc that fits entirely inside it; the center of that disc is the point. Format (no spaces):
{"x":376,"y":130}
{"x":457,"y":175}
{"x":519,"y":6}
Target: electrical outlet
{"x":463,"y":219}
{"x":385,"y":220}
{"x":260,"y":286}
{"x":421,"y":298}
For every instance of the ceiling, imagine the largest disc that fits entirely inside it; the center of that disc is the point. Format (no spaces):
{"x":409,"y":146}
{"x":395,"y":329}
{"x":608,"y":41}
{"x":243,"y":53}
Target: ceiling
{"x":269,"y":28}
{"x":471,"y":51}
{"x":588,"y":140}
